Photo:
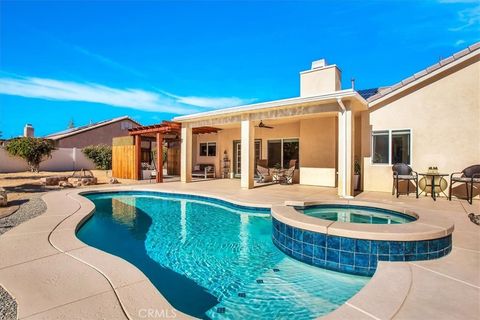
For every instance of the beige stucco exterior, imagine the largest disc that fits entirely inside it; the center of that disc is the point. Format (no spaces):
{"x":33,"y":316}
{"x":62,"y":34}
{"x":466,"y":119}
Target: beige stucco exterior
{"x":444,"y":118}
{"x":439,"y":106}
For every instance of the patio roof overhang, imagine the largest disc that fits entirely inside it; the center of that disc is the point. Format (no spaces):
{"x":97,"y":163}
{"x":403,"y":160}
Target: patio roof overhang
{"x":284,"y":108}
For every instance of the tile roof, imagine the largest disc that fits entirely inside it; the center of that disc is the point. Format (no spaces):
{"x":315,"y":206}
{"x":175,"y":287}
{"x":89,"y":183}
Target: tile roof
{"x":445,"y":62}
{"x":72,"y":131}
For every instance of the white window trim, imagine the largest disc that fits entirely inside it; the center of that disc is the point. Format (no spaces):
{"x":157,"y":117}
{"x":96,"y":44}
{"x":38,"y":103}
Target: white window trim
{"x":390,"y":146}
{"x":281,"y":149}
{"x":207,"y":143}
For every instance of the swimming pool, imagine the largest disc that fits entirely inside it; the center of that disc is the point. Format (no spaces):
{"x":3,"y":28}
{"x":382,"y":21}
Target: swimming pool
{"x":356,"y":214}
{"x":213,"y":259}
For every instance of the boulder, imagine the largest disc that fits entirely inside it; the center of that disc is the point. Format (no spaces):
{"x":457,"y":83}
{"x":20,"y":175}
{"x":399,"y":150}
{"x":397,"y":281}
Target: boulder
{"x":53,"y":181}
{"x":65,"y":184}
{"x":3,"y":198}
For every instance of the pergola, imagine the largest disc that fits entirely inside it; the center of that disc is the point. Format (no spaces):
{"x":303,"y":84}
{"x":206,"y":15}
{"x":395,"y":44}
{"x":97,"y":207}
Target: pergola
{"x":165,"y":131}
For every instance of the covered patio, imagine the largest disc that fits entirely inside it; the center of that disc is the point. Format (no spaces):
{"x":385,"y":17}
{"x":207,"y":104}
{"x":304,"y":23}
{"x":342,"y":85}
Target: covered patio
{"x":318,"y":133}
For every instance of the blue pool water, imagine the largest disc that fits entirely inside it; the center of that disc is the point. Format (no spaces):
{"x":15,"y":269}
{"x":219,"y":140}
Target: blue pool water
{"x":211,"y":259}
{"x":356,"y":214}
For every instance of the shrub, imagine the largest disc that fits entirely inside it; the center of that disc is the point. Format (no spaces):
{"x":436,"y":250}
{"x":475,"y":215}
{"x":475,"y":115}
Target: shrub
{"x":32,"y":150}
{"x":101,"y":155}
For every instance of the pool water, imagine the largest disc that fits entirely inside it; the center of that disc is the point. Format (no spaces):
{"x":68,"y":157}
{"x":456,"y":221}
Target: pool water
{"x":356,"y":214}
{"x":211,"y":259}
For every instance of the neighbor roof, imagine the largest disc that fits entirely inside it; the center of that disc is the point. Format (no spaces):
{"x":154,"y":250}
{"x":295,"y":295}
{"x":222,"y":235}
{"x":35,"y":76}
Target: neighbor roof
{"x":77,"y":130}
{"x":424,"y":74}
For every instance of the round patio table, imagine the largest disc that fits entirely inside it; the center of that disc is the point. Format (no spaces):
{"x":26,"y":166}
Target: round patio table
{"x":433,"y":185}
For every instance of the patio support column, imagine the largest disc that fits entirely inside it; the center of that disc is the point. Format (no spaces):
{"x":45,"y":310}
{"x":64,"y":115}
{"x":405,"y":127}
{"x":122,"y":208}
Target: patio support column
{"x":345,"y":153}
{"x":138,"y":157}
{"x":186,"y":154}
{"x":248,"y":150}
{"x":159,"y":176}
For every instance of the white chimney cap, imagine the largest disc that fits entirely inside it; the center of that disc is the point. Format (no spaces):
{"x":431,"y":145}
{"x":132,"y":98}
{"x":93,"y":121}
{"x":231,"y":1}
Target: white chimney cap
{"x":319,"y":64}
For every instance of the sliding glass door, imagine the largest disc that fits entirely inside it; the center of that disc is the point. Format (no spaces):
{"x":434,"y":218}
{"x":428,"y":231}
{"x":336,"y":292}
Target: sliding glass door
{"x":281,"y":151}
{"x":237,"y":156}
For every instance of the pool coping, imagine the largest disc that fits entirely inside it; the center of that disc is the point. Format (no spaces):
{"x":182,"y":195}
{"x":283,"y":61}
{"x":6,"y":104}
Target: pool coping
{"x":134,"y":291}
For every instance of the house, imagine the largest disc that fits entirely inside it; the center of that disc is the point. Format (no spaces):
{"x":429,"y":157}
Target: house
{"x":93,"y":134}
{"x":429,"y":119}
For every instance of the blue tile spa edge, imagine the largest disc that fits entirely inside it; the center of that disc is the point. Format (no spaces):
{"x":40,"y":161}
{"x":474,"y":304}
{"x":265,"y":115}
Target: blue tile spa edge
{"x":349,"y":255}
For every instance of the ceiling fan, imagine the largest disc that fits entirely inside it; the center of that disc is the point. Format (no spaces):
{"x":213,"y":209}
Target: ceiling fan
{"x":263,"y":125}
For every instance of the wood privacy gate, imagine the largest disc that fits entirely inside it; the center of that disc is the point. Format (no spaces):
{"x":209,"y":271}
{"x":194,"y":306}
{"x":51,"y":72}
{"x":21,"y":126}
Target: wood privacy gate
{"x":129,"y":152}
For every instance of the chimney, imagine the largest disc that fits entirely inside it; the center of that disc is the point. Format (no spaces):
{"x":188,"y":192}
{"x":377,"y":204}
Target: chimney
{"x":320,"y":79}
{"x":28,"y":130}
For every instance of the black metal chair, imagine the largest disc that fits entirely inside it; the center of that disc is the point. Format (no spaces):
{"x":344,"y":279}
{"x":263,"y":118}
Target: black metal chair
{"x":403,"y":172}
{"x":469,"y":176}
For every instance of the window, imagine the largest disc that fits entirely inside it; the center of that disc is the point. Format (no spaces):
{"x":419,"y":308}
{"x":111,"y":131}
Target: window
{"x":208,"y":149}
{"x":391,"y":146}
{"x":281,"y":151}
{"x":401,"y":146}
{"x":380,"y":147}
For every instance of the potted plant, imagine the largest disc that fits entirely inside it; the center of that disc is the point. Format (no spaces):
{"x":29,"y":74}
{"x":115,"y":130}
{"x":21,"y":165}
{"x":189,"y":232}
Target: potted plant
{"x":356,"y":175}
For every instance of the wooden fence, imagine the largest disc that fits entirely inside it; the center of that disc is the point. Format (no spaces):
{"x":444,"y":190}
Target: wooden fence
{"x":123,"y":161}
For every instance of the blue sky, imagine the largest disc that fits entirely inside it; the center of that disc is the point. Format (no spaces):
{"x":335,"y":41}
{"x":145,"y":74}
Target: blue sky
{"x":90,"y":61}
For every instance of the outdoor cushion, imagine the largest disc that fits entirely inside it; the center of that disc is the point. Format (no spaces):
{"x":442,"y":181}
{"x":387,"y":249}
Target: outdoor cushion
{"x":406,"y":176}
{"x":465,"y":179}
{"x":470,"y":171}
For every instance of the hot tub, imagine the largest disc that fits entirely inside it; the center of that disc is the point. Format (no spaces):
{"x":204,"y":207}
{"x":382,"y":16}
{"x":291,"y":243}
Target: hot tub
{"x":352,"y":237}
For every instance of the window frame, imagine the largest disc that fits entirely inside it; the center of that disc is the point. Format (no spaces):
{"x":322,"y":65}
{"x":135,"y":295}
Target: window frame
{"x":207,"y":145}
{"x":390,"y":146}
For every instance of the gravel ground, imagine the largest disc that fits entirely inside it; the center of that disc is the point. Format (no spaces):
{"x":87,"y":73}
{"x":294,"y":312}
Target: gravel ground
{"x":30,"y":209}
{"x":8,"y":306}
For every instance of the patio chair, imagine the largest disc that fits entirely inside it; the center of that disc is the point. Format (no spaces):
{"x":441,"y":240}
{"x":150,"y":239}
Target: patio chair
{"x":469,"y":176}
{"x":263,"y":172}
{"x":287,"y":176}
{"x":403,"y":172}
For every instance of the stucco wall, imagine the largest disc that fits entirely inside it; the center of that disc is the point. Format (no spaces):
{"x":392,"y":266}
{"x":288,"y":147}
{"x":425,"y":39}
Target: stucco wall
{"x":100,"y":135}
{"x":444,"y":118}
{"x":63,"y":159}
{"x":317,"y":144}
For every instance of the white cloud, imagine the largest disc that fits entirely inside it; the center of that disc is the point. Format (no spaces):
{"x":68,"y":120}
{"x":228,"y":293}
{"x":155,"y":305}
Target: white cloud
{"x":50,"y":89}
{"x":469,"y":19}
{"x":211,"y":102}
{"x":459,"y":42}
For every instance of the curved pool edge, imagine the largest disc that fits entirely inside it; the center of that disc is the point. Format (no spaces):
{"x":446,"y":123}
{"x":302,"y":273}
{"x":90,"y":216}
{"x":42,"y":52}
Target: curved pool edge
{"x":368,"y":295}
{"x":135,"y":293}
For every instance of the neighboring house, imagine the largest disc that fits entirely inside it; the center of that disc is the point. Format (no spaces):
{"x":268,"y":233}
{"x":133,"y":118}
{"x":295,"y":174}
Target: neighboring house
{"x":93,"y":134}
{"x":429,"y":119}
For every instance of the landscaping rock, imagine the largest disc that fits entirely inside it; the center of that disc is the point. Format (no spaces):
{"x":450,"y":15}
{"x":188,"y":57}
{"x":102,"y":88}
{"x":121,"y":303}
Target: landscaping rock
{"x":53,"y":181}
{"x":65,"y":184}
{"x":3,"y":198}
{"x":113,"y":181}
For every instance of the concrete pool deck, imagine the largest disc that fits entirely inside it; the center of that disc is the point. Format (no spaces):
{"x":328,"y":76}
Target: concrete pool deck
{"x":52,"y":274}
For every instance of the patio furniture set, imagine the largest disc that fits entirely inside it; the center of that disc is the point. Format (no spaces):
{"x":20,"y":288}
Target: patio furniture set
{"x":434,"y":180}
{"x":275,"y":175}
